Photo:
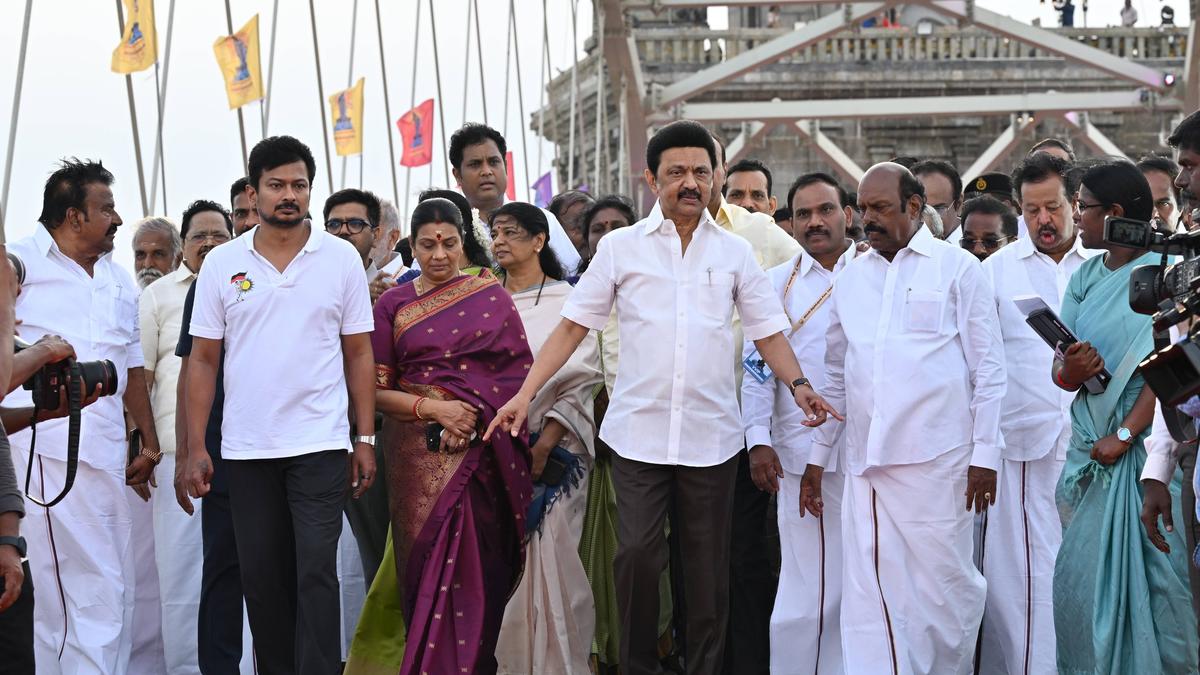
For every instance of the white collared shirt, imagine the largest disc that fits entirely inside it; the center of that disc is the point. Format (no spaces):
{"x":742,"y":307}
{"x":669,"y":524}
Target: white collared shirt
{"x":1036,"y":411}
{"x":98,"y":315}
{"x":913,"y":359}
{"x":675,"y":398}
{"x":160,"y":315}
{"x":285,"y":383}
{"x":769,"y":412}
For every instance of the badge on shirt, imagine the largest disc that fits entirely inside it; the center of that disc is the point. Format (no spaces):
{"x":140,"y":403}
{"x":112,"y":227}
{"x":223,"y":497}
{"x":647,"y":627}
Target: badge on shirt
{"x":242,"y":282}
{"x":757,"y":367}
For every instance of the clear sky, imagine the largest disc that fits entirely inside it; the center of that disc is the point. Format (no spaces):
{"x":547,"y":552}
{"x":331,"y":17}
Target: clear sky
{"x":73,"y":104}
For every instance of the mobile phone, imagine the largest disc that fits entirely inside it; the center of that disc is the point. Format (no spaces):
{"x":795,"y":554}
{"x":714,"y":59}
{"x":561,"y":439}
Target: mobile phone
{"x":554,"y":472}
{"x":433,"y":436}
{"x":135,"y":445}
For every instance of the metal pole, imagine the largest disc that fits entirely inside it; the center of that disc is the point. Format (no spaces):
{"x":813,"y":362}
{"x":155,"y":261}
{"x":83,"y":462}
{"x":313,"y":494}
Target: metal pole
{"x":554,"y":108}
{"x":16,"y":108}
{"x":159,"y":149}
{"x":574,"y":97}
{"x":467,"y":63}
{"x":387,"y":109}
{"x":479,"y":57}
{"x":241,"y":118}
{"x":412,"y":102}
{"x":520,"y":108}
{"x":312,"y":14}
{"x":437,"y":72}
{"x":543,"y":68}
{"x":350,"y":74}
{"x":137,"y":140}
{"x":507,"y":64}
{"x":266,"y":104}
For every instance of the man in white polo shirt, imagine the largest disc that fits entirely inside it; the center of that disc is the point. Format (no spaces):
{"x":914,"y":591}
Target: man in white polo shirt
{"x":289,"y":303}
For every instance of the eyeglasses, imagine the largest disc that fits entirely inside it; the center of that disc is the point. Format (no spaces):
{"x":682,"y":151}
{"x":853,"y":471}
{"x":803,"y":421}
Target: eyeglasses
{"x":941,"y":208}
{"x":990,"y":243}
{"x":355,"y":225}
{"x":1084,"y":207}
{"x":198,"y":237}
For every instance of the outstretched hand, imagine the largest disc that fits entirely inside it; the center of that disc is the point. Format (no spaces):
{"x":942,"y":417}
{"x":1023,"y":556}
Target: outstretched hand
{"x":510,"y":417}
{"x":815,"y":408}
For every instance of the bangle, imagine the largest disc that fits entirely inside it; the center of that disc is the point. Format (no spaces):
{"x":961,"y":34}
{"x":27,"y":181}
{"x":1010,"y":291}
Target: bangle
{"x":417,"y":408}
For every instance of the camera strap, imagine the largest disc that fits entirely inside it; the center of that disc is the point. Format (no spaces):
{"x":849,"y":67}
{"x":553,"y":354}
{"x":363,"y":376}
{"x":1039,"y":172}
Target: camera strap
{"x":74,"y":403}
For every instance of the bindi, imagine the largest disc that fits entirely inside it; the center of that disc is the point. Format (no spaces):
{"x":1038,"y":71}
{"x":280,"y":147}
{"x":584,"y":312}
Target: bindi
{"x":438,"y":235}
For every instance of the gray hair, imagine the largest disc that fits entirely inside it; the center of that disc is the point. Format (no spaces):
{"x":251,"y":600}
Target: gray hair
{"x":933,"y":221}
{"x":163,"y":226}
{"x":389,"y":222}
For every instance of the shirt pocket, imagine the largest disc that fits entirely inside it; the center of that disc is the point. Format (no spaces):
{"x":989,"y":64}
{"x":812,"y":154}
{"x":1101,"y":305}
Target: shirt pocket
{"x":923,"y":311}
{"x":715,"y":295}
{"x":122,"y":317}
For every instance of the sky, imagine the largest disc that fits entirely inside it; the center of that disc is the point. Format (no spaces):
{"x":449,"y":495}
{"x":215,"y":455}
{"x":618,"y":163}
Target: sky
{"x":74,"y":105}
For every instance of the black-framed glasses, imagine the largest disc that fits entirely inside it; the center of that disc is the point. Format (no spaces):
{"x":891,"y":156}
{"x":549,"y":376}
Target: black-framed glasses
{"x":1084,"y":207}
{"x":989,"y":243}
{"x":355,"y":225}
{"x":218,"y":237}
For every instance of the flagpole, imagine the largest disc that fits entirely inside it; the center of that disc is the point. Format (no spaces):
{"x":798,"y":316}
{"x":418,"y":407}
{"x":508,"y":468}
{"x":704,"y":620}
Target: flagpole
{"x":350,"y":75}
{"x":520,"y":107}
{"x":16,"y":108}
{"x":571,"y":116}
{"x":437,"y":71}
{"x":599,"y":103}
{"x":412,"y":104}
{"x":387,"y":109}
{"x":467,"y":63}
{"x":543,"y":68}
{"x":312,"y":14}
{"x":546,"y":51}
{"x":479,"y":56}
{"x":266,"y":102}
{"x":241,"y":118}
{"x":507,"y":67}
{"x":159,"y":149}
{"x":137,"y":141}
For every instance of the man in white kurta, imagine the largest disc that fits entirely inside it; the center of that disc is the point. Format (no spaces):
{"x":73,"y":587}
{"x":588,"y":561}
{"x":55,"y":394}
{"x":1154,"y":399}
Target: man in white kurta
{"x":804,"y":633}
{"x":913,"y":355}
{"x":1023,"y":531}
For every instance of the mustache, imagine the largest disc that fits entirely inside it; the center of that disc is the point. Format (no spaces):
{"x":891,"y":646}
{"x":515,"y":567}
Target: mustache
{"x":878,"y":229}
{"x":148,"y":275}
{"x":689,"y":193}
{"x":815,"y":231}
{"x":287,"y":205}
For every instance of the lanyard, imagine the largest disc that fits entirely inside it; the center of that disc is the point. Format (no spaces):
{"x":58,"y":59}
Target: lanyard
{"x":798,"y":324}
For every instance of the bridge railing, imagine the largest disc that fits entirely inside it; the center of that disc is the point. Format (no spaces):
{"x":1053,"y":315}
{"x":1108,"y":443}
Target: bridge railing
{"x":665,"y":47}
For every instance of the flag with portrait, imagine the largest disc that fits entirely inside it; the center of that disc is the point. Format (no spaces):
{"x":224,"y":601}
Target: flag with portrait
{"x":238,"y":57}
{"x":416,"y":133}
{"x":139,"y":40}
{"x":346,"y":109}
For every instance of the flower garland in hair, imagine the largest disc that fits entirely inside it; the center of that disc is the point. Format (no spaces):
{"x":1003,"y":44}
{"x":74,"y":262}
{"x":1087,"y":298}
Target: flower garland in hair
{"x":483,"y":237}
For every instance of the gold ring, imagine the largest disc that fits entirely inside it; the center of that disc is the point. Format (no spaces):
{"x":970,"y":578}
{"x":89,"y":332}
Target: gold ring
{"x":987,"y":496}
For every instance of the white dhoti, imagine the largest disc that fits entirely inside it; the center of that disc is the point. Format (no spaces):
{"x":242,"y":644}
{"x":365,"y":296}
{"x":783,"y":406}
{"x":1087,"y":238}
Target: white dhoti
{"x":179,"y":550}
{"x":911,"y":596}
{"x":806,"y":635}
{"x":146,"y":630}
{"x":1020,"y":546}
{"x":550,"y":620}
{"x":82,"y":561}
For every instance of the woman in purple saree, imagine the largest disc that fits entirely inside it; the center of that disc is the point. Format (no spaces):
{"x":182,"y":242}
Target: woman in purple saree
{"x":450,"y":349}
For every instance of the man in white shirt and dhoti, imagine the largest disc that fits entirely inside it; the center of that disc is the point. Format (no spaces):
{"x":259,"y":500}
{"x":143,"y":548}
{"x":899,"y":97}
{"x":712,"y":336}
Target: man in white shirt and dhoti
{"x":914,"y":354}
{"x":804,"y":632}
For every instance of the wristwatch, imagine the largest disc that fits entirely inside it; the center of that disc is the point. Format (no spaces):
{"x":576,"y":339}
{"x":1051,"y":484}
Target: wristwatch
{"x":152,"y":455}
{"x":369,"y":440}
{"x":17,"y":543}
{"x":796,"y":383}
{"x":1124,"y":435}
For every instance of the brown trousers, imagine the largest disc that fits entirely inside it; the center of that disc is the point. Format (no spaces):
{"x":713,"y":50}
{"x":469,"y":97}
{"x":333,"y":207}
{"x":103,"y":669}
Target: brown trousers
{"x":702,"y":516}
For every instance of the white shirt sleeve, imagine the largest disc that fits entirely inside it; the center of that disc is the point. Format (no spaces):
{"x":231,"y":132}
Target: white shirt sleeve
{"x":1162,"y":452}
{"x":983,"y":346}
{"x":148,"y":326}
{"x":591,"y":302}
{"x":208,"y":309}
{"x":357,"y":316}
{"x":758,"y":403}
{"x":829,"y":434}
{"x":757,"y":303}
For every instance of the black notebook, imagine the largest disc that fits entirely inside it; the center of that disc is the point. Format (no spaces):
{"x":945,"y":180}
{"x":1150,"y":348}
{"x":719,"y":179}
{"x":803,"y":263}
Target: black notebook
{"x":1055,"y":333}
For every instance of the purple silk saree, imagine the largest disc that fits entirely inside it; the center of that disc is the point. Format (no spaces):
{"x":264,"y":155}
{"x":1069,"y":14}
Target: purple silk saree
{"x":457,"y":519}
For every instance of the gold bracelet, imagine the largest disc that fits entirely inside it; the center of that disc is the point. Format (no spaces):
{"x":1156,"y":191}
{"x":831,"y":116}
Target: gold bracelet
{"x":151,"y":455}
{"x":417,"y":408}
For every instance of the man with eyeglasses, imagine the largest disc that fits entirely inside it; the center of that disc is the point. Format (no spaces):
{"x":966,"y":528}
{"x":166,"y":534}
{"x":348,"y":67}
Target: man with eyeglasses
{"x":355,"y":216}
{"x":1022,"y":534}
{"x":987,"y":225}
{"x":204,"y":226}
{"x":943,"y":190}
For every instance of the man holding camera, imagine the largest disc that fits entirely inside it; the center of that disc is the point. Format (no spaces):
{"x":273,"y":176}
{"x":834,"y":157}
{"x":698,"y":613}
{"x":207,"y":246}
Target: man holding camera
{"x":80,"y":550}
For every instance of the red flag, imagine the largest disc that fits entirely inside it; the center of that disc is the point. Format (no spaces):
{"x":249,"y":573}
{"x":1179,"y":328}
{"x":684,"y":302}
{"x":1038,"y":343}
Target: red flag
{"x":416,"y":132}
{"x":510,"y":190}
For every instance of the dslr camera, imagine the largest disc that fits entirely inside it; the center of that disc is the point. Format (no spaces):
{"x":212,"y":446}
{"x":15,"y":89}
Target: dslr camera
{"x":1170,"y":293}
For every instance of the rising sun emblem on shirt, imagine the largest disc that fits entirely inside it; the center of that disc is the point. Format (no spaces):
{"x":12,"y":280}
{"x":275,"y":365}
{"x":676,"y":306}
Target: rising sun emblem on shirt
{"x":242,"y":283}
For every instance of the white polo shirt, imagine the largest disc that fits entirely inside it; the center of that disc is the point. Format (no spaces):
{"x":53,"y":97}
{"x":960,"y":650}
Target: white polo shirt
{"x":285,"y":384}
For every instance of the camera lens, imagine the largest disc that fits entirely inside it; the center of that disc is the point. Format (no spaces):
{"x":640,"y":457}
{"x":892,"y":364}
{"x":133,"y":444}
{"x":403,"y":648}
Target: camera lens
{"x":99,"y":372}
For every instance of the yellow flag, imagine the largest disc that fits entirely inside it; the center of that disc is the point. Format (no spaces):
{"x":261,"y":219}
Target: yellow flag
{"x":347,"y":113}
{"x":237,"y":55}
{"x":139,"y":42}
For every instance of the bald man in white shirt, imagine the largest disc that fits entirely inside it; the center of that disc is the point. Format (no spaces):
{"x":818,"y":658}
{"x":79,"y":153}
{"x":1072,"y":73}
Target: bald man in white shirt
{"x":913,"y":353}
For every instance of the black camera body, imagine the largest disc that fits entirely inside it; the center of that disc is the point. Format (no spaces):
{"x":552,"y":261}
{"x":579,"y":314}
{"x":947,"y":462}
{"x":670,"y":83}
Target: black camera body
{"x":1171,"y":295}
{"x":46,"y":384}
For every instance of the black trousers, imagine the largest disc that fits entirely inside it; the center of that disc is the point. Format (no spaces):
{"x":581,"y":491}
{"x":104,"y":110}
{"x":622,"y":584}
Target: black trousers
{"x":16,"y":631}
{"x":370,"y":518}
{"x":703,"y":499}
{"x":288,"y":517}
{"x":219,"y":625}
{"x":748,"y":642}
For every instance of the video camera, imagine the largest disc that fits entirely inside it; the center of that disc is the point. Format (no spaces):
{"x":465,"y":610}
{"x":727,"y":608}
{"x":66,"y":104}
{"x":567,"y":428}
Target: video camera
{"x":1170,"y":293}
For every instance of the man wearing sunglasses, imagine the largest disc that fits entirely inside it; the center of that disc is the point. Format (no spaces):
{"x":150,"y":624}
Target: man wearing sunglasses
{"x":987,"y":225}
{"x":355,"y":215}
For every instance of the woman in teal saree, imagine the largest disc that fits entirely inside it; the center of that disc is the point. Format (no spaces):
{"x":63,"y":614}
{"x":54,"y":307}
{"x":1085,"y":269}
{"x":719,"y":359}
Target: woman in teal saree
{"x":1120,"y":605}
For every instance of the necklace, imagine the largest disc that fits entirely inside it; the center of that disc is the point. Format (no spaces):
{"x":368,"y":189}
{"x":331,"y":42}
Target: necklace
{"x":419,"y":282}
{"x":540,"y":287}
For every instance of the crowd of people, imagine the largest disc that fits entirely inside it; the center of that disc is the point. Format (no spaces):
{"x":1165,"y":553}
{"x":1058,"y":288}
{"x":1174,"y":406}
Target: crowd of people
{"x":581,"y":439}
